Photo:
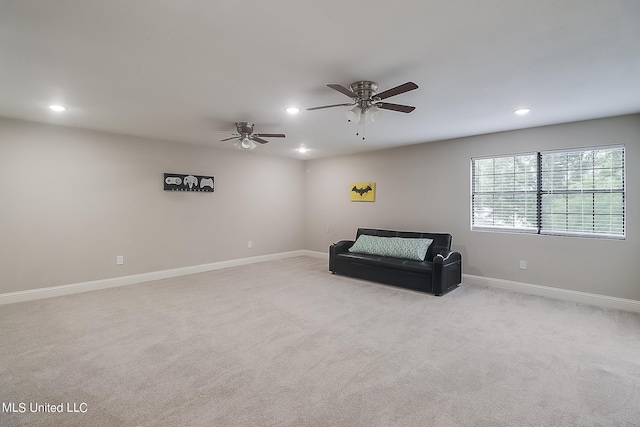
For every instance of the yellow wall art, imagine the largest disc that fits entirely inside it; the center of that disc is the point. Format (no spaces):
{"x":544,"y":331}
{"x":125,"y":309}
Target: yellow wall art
{"x":363,"y":191}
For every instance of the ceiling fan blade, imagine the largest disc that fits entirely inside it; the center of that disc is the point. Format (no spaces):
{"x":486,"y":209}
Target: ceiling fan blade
{"x":330,"y":106}
{"x":259,"y":140}
{"x":229,"y":139}
{"x":269,"y":135}
{"x":395,"y":107}
{"x":396,"y":90}
{"x":343,"y":90}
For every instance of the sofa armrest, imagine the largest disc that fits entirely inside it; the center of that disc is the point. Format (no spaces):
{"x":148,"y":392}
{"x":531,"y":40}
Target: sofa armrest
{"x":338,"y":248}
{"x":342,"y":245}
{"x":446,"y":257}
{"x":447,"y":271}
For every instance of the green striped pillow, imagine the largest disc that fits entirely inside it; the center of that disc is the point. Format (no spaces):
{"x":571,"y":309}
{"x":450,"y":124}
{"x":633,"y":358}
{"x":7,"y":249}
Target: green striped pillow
{"x":396,"y":247}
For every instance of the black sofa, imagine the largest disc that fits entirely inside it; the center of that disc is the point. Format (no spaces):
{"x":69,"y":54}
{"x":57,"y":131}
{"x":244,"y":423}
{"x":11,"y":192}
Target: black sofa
{"x":439,"y":273}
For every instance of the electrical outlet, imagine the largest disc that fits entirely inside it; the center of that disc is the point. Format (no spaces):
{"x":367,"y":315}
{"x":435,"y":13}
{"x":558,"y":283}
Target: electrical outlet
{"x":327,"y":228}
{"x":523,"y":265}
{"x":249,"y":244}
{"x":120,"y":260}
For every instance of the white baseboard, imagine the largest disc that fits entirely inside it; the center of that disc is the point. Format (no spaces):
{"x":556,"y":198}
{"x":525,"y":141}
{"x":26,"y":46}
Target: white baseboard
{"x":556,"y":293}
{"x":54,"y":291}
{"x":316,"y":254}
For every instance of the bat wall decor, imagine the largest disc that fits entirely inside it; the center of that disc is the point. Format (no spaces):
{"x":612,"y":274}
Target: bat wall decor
{"x":194,"y":183}
{"x":363,"y":191}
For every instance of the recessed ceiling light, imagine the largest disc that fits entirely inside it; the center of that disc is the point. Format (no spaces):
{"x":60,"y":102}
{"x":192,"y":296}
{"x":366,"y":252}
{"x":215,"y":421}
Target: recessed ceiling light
{"x":293,"y":110}
{"x":57,"y":108}
{"x":522,"y":111}
{"x":302,"y":150}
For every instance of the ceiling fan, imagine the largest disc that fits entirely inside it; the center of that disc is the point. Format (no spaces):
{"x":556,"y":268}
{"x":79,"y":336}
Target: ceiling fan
{"x":246,"y":138}
{"x":366,"y":99}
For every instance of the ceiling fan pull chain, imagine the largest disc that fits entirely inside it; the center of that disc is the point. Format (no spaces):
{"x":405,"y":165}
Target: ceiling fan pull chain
{"x":360,"y":120}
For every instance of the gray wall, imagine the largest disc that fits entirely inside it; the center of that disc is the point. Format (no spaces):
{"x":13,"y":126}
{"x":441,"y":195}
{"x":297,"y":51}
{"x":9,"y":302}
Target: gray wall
{"x":426,"y":187}
{"x":72,"y":200}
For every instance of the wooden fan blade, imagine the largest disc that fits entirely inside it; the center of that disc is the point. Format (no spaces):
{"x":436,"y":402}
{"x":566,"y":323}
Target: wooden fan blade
{"x":330,"y":106}
{"x":396,"y":90}
{"x":343,"y":90}
{"x":229,"y":139}
{"x":395,"y":107}
{"x":259,"y":140}
{"x":270,"y":135}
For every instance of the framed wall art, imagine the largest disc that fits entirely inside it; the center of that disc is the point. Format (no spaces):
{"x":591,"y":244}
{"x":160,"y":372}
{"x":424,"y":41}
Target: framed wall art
{"x":363,"y":191}
{"x":188,"y":182}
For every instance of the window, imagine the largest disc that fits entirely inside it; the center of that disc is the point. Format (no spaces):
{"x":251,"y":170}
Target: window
{"x":505,"y":192}
{"x":583,"y":192}
{"x":577,"y":192}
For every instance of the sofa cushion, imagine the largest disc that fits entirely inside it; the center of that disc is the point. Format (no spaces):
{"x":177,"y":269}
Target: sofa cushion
{"x":396,"y":247}
{"x":422,"y":267}
{"x":441,"y":241}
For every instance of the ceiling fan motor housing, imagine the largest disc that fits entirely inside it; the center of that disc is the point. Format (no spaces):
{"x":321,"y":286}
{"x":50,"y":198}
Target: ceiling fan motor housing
{"x":365,"y":90}
{"x":244,"y":128}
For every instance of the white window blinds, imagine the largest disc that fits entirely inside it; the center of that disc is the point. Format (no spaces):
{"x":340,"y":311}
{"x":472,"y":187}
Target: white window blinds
{"x":583,"y":192}
{"x":505,"y":192}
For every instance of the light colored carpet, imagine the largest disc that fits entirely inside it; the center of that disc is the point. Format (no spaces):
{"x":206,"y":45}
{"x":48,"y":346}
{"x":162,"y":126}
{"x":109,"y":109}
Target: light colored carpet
{"x":287,"y":343}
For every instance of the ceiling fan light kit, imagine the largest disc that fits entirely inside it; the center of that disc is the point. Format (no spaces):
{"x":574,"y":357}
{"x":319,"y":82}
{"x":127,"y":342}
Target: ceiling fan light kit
{"x":245,"y":144}
{"x":359,"y":116}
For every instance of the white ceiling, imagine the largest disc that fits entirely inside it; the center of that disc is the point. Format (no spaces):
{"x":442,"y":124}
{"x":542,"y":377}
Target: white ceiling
{"x":169,"y":69}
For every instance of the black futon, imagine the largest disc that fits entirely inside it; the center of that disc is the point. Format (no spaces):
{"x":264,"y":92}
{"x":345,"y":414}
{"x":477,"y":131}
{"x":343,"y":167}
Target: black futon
{"x":439,"y":272}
